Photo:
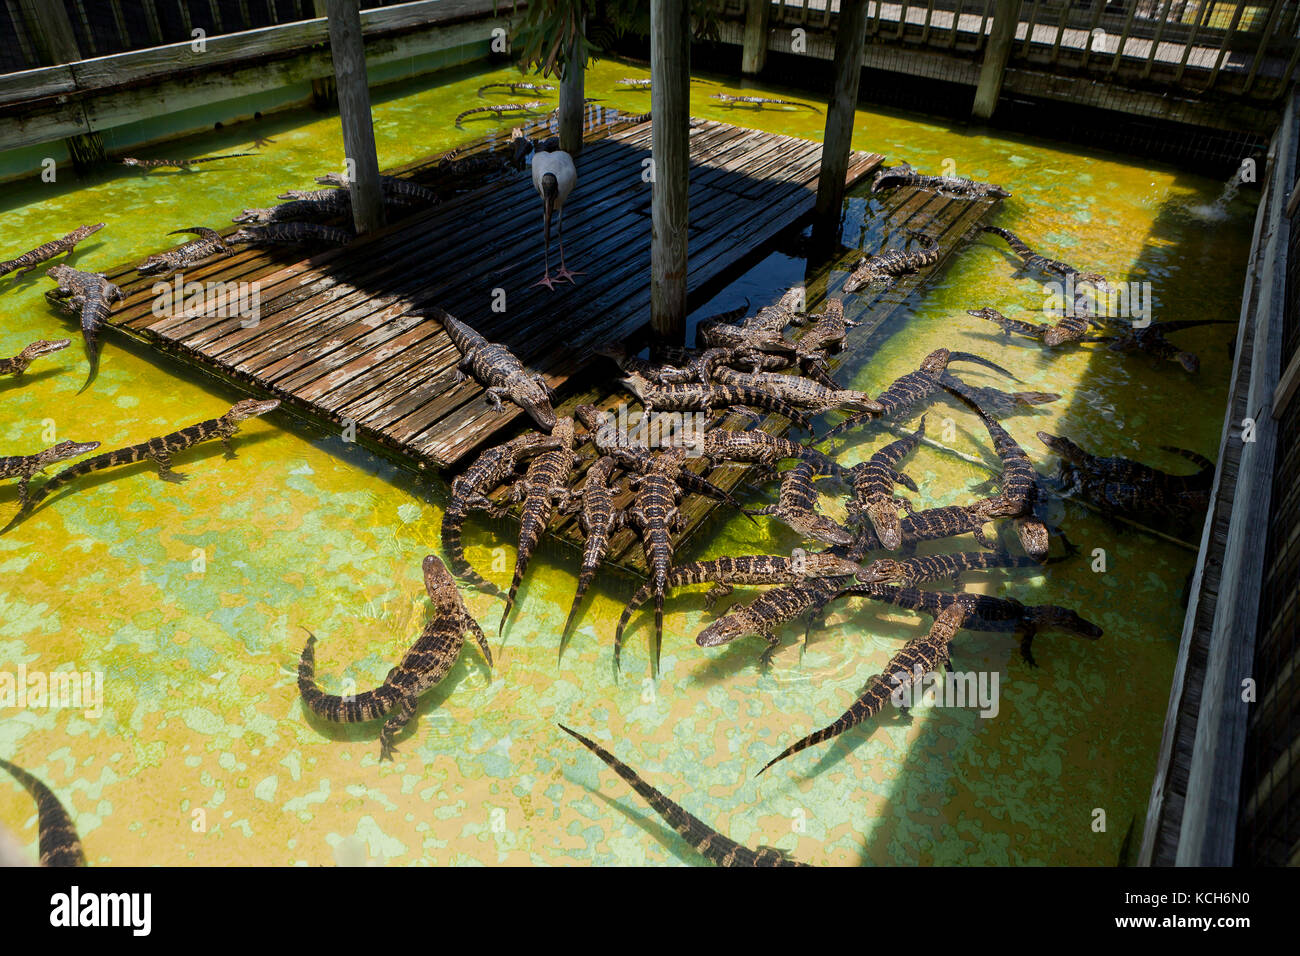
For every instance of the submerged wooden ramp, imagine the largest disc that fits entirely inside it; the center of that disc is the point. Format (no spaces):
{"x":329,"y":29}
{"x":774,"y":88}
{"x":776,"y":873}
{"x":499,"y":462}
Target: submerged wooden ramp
{"x":336,"y":339}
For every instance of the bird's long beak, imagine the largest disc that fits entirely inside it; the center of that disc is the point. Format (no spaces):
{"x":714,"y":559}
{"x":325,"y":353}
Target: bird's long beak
{"x":548,"y":207}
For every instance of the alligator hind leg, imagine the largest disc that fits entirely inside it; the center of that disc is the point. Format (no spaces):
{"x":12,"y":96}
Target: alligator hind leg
{"x":1026,"y":646}
{"x":393,"y":726}
{"x":717,"y":591}
{"x":165,"y":469}
{"x":230,"y":449}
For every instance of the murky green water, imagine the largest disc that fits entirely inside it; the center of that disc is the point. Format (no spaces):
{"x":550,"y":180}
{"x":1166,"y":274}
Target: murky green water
{"x":191,"y":599}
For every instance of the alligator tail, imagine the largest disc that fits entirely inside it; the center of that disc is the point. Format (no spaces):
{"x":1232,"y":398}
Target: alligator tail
{"x":980,"y":360}
{"x":637,"y":600}
{"x":455,"y":549}
{"x":59,"y":843}
{"x":870,"y":703}
{"x":350,"y":709}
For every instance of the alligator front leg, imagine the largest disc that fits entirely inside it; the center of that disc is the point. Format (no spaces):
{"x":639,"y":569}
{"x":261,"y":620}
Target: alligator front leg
{"x":906,"y":482}
{"x":1026,"y":645}
{"x":773,"y":642}
{"x":717,"y":591}
{"x":230,"y":448}
{"x":494,"y":393}
{"x":165,"y":468}
{"x":393,"y":726}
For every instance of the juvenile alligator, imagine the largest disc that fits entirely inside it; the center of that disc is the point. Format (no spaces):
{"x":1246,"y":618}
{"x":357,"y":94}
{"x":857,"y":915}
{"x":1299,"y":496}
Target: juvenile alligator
{"x":757,"y":447}
{"x":952,"y":186}
{"x":972,"y":612}
{"x":517,"y":87}
{"x":30,"y":260}
{"x":599,"y":519}
{"x":636,"y":84}
{"x":545,"y":484}
{"x":759,"y":101}
{"x":726,"y":573}
{"x":714,"y":333}
{"x":936,"y":567}
{"x":20,"y":362}
{"x":470,"y":489}
{"x":873,"y":489}
{"x":696,"y":366}
{"x":1152,"y":341}
{"x":772,"y":318}
{"x":771,"y":610}
{"x":887,"y":266}
{"x":997,"y":403}
{"x":796,"y":507}
{"x":693,"y":396}
{"x":421,"y":668}
{"x":25,"y":467}
{"x":705,"y":840}
{"x":1071,"y":327}
{"x":161,"y":449}
{"x":1018,"y":494}
{"x":907,"y":390}
{"x":337,"y":204}
{"x":825,"y":337}
{"x":653,"y":513}
{"x":396,"y":189}
{"x":210,"y":243}
{"x":499,"y":371}
{"x":91,"y":295}
{"x":59,"y":843}
{"x":501,"y":108}
{"x":800,"y":392}
{"x":292,"y":232}
{"x":184,"y":164}
{"x":1033,"y":260}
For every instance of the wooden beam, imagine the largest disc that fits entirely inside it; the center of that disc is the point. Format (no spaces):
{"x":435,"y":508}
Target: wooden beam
{"x":754,"y":55}
{"x":850,"y":37}
{"x":572,"y":91}
{"x":349,"y":54}
{"x":670,"y":119}
{"x":1006,"y":16}
{"x":51,"y":32}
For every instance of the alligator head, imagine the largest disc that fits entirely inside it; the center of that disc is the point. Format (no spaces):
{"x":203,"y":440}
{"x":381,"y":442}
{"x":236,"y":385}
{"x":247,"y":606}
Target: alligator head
{"x":1064,"y":447}
{"x":635,"y":383}
{"x":825,"y":565}
{"x":936,"y":361}
{"x":884,"y":518}
{"x":815,"y":526}
{"x":882,"y":571}
{"x":993,"y":315}
{"x":67,"y":449}
{"x":738,"y":622}
{"x":42,"y":347}
{"x":251,"y":408}
{"x":1034,"y":398}
{"x":532,"y":394}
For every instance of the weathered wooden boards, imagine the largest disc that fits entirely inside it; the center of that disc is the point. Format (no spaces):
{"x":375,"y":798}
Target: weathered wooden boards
{"x":338,"y":335}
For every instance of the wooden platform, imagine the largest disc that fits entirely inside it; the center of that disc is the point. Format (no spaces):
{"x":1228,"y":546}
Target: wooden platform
{"x":336,"y":340}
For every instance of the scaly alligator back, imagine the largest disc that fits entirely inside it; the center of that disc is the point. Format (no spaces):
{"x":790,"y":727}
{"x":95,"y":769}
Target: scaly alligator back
{"x":30,"y":260}
{"x":599,"y":519}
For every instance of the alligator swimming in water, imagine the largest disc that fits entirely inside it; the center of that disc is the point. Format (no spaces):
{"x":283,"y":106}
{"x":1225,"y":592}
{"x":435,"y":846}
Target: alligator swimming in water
{"x":499,"y":371}
{"x":30,"y":260}
{"x":769,"y":612}
{"x":544,"y":486}
{"x":25,"y":467}
{"x":1151,"y":339}
{"x":184,"y":164}
{"x":421,"y":668}
{"x":758,"y":101}
{"x":501,"y":108}
{"x":935,"y":567}
{"x":90,"y":295}
{"x":292,"y":232}
{"x":161,"y":449}
{"x":1070,"y":328}
{"x":951,"y":186}
{"x":885,"y":267}
{"x":20,"y":362}
{"x":517,"y":87}
{"x":59,"y":843}
{"x":210,"y":243}
{"x":470,"y":490}
{"x":1033,"y":260}
{"x":873,"y":489}
{"x":964,"y":611}
{"x":694,"y":396}
{"x":796,"y":507}
{"x":598,"y":519}
{"x":726,"y":573}
{"x":997,"y":403}
{"x":705,"y":840}
{"x":653,"y":513}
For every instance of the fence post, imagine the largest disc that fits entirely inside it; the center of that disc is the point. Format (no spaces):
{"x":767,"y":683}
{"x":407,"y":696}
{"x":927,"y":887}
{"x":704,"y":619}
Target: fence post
{"x":1006,"y":17}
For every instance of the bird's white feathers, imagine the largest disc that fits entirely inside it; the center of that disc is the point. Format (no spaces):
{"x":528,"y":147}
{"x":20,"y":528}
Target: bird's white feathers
{"x":561,"y":164}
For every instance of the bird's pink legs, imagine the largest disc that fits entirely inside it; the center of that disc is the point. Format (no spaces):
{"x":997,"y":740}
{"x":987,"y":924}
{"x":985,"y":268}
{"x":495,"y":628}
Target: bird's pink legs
{"x":564,"y":273}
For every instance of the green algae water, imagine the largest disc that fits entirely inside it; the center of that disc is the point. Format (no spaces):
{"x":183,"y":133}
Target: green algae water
{"x":193,"y":600}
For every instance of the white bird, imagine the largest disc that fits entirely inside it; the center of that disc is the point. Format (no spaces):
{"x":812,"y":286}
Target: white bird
{"x":554,"y":177}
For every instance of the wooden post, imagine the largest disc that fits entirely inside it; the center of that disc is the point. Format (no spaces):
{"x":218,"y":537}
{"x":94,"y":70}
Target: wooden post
{"x":324,"y":95}
{"x":754,"y":55}
{"x":850,"y":36}
{"x":1006,"y":16}
{"x":56,"y":44}
{"x":571,"y":96}
{"x":670,"y":54}
{"x":349,"y":54}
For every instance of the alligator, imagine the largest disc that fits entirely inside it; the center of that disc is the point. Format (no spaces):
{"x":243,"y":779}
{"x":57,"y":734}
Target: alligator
{"x":697,"y":366}
{"x":757,"y":447}
{"x":210,"y":243}
{"x":421,"y":668}
{"x":972,"y":612}
{"x":759,"y":101}
{"x":336,"y":204}
{"x":184,"y":164}
{"x":90,"y":294}
{"x":599,"y":519}
{"x":396,"y":189}
{"x":950,"y":186}
{"x":1033,"y":260}
{"x":693,"y":396}
{"x":20,"y":362}
{"x":796,"y":507}
{"x":653,"y":513}
{"x":768,"y":612}
{"x":517,"y":87}
{"x":725,"y":573}
{"x":936,"y":567}
{"x":1072,"y":327}
{"x":1018,"y":493}
{"x":470,"y":489}
{"x":1152,"y":341}
{"x":997,"y":403}
{"x":800,"y":392}
{"x":292,"y":232}
{"x":825,"y":337}
{"x":714,"y":333}
{"x":873,"y":489}
{"x":59,"y":843}
{"x":771,"y":318}
{"x":885,"y":267}
{"x":25,"y":467}
{"x":907,"y":390}
{"x":638,"y":459}
{"x":501,"y":108}
{"x":30,"y":260}
{"x":545,"y":484}
{"x":635,"y":83}
{"x":161,"y":449}
{"x":705,"y":840}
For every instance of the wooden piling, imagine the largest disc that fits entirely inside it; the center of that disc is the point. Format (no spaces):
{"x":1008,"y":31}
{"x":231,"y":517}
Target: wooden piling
{"x":349,"y":54}
{"x":850,"y":37}
{"x":571,"y":95}
{"x":670,"y":55}
{"x":1006,"y":16}
{"x":754,"y":55}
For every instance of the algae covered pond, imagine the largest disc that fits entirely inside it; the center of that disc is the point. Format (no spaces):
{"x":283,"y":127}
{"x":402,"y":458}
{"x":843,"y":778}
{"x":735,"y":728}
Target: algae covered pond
{"x":191,"y":600}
